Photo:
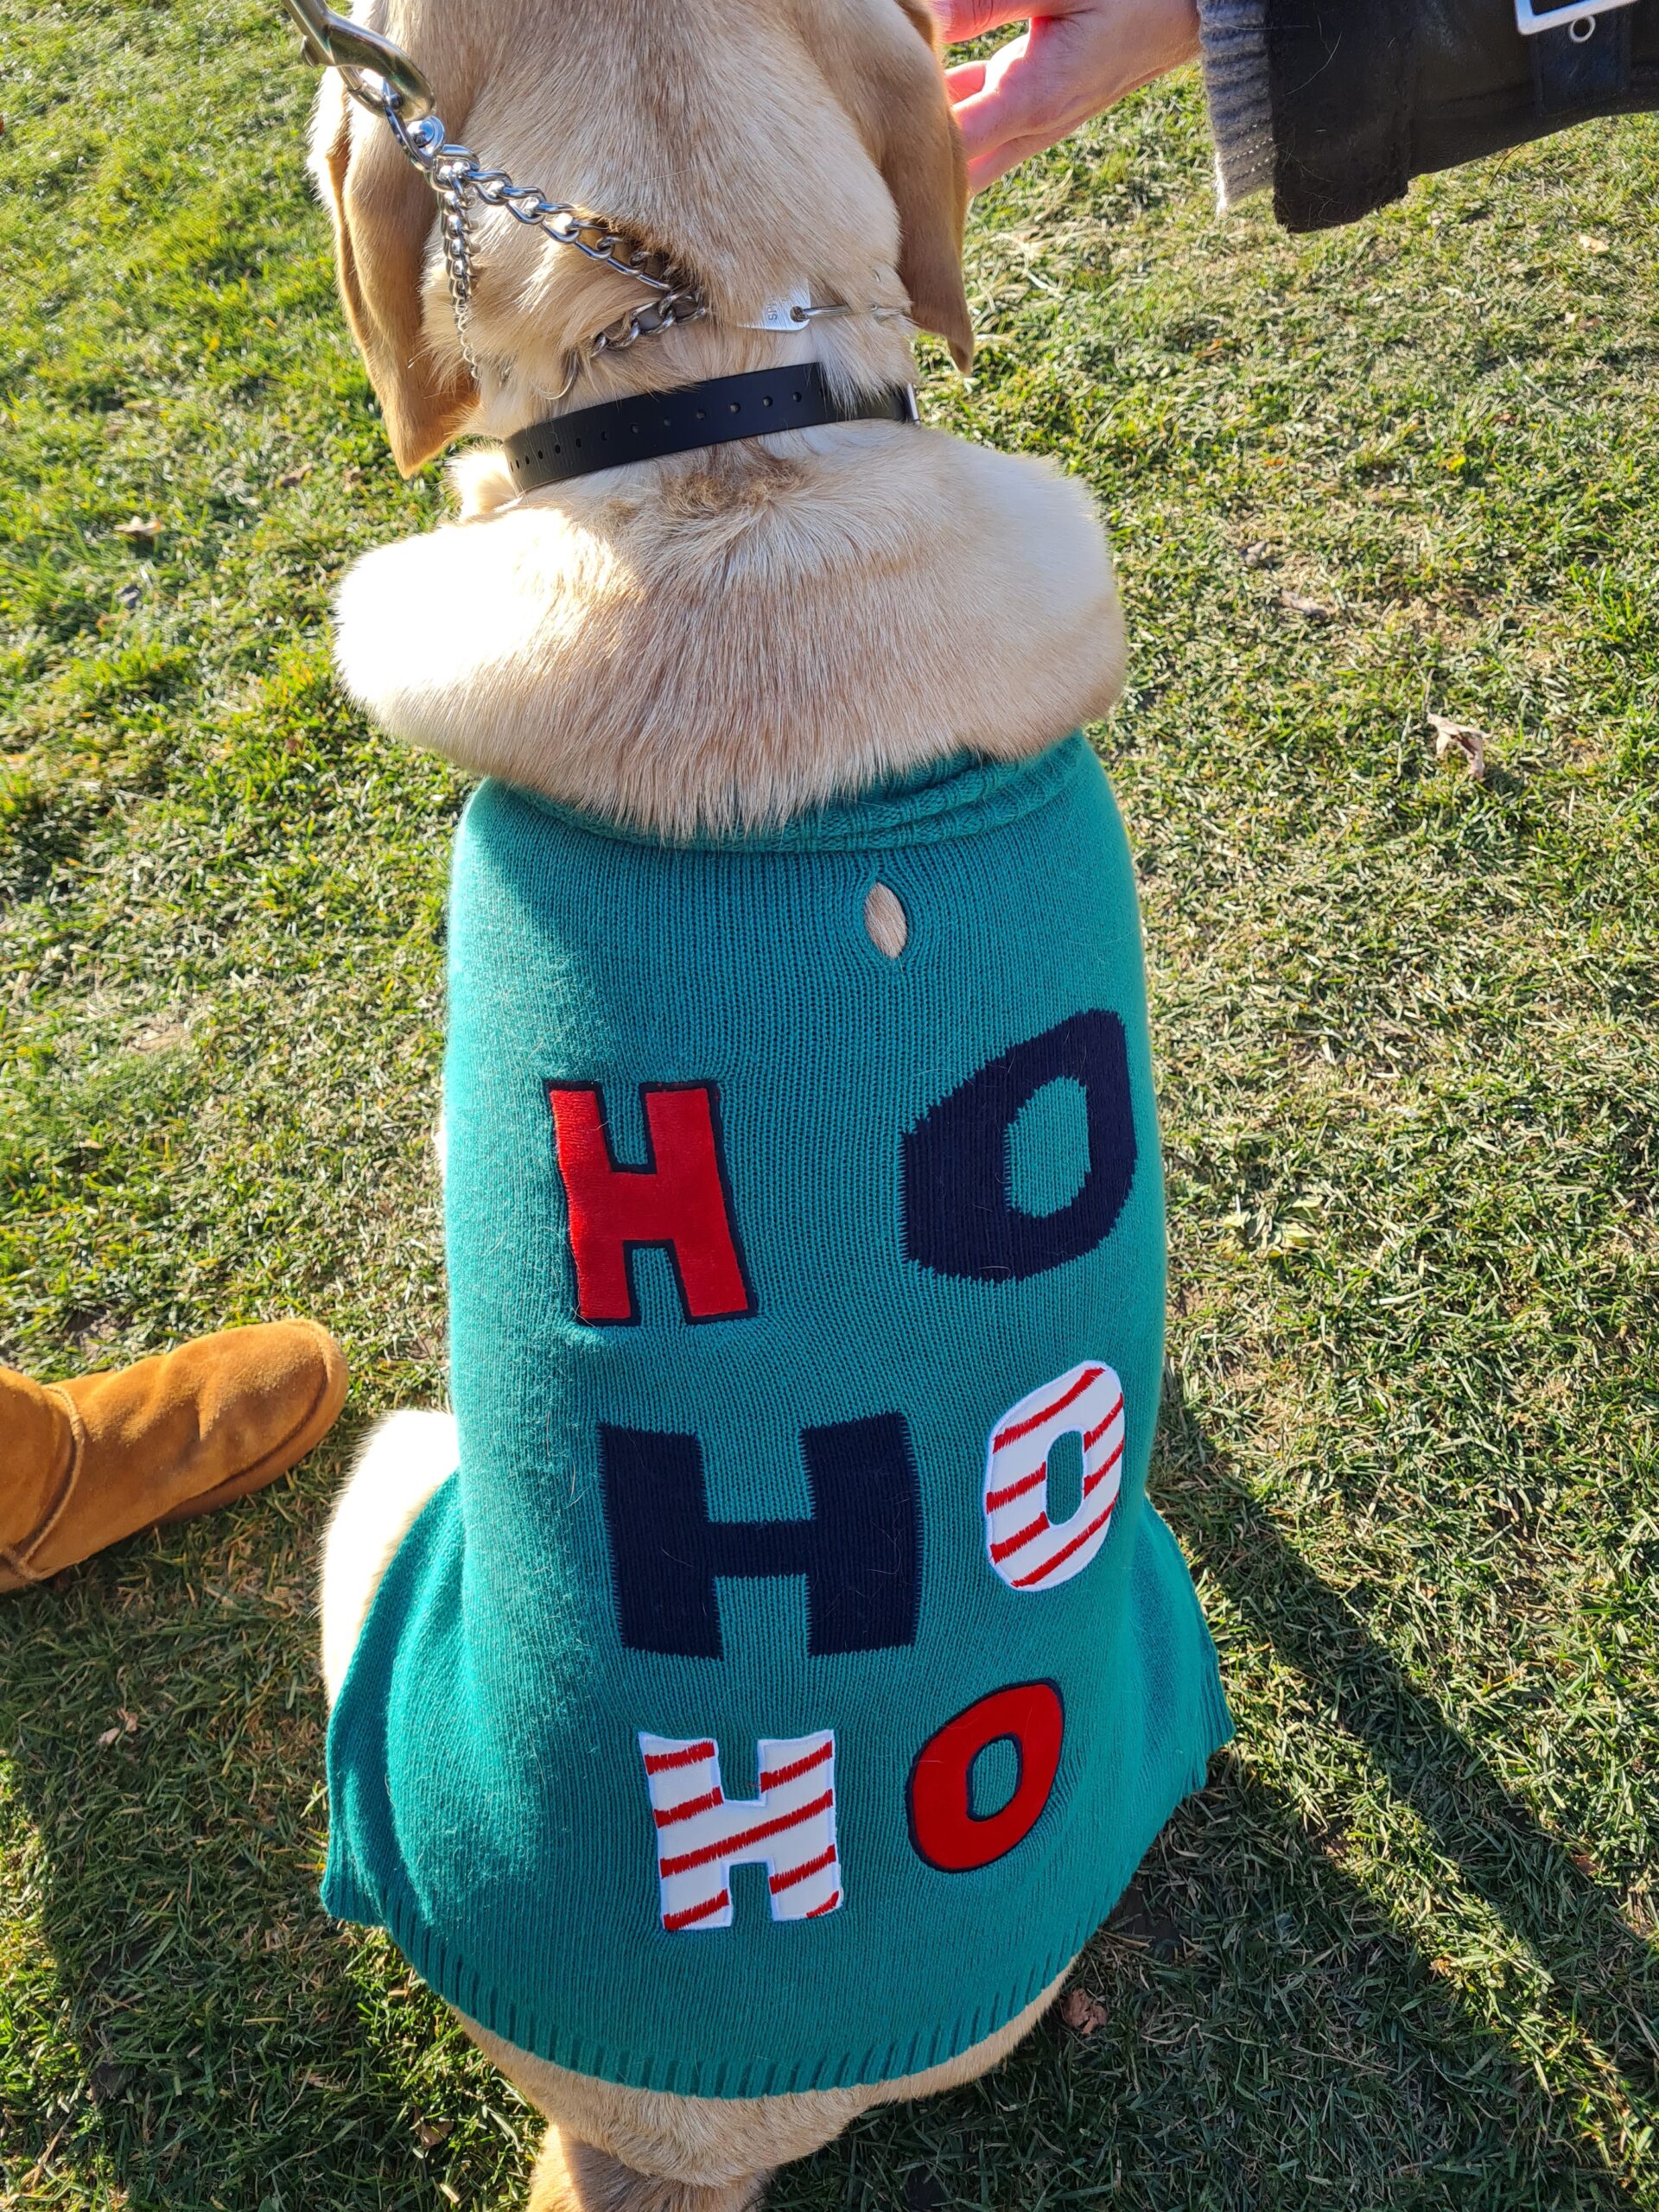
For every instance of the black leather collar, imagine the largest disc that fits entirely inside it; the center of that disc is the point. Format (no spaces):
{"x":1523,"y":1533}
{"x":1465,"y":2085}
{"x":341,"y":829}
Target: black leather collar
{"x":713,"y":413}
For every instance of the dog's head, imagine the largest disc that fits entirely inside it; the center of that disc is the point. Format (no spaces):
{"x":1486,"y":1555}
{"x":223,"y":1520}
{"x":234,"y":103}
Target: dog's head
{"x":762,"y":144}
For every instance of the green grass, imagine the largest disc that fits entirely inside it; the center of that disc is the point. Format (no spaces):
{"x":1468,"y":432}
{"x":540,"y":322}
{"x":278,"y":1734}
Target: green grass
{"x":1401,"y":1953}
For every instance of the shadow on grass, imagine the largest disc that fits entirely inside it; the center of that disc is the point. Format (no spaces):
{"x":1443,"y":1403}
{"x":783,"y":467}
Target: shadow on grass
{"x":1267,"y":2034}
{"x":1266,"y":2037}
{"x":1606,"y":1977}
{"x":187,"y":2028}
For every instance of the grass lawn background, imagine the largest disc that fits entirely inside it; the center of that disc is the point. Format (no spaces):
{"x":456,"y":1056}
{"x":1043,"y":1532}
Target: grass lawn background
{"x":1401,"y":1953}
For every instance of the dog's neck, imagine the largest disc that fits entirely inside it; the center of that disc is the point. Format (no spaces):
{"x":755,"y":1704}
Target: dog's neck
{"x":725,"y":637}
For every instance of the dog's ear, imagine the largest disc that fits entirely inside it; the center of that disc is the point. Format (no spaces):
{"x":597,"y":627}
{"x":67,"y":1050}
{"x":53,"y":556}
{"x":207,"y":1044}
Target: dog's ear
{"x":918,"y":151}
{"x":383,"y":213}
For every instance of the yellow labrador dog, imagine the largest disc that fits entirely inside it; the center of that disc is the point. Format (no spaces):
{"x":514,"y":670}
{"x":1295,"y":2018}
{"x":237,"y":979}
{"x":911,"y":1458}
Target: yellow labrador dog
{"x":717,"y":642}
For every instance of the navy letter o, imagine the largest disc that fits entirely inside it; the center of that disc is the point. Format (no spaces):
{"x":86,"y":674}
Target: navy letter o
{"x":959,"y":1215}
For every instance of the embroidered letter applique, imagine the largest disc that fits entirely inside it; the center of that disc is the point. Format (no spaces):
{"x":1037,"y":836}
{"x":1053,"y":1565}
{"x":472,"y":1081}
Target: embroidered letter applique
{"x":789,"y":1827}
{"x":1027,"y":1549}
{"x":943,"y":1826}
{"x":860,"y":1550}
{"x":960,"y":1217}
{"x":678,"y":1199}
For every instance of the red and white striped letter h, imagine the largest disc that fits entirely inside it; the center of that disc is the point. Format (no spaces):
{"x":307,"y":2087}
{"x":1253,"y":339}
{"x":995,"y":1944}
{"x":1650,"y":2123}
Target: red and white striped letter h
{"x":789,"y":1827}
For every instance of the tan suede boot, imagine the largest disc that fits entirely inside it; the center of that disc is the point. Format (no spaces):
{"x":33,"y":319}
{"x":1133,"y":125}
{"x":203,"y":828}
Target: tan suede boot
{"x":84,"y":1464}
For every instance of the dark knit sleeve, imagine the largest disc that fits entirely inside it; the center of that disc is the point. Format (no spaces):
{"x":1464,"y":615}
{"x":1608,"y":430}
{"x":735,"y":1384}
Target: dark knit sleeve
{"x":1338,"y":104}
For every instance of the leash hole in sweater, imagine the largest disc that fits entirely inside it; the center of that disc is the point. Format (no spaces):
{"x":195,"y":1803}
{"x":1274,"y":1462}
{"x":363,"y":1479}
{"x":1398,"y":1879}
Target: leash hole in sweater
{"x":885,"y":920}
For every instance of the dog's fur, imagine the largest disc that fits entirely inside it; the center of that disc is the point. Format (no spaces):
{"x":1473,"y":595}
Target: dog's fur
{"x":708,"y":640}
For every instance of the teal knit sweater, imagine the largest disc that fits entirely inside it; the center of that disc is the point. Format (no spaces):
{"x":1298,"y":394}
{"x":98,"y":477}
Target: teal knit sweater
{"x":793,"y":1672}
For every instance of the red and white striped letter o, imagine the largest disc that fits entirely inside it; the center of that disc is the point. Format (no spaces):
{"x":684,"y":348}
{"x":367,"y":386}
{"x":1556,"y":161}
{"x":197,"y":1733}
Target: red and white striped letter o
{"x":1025,"y":1546}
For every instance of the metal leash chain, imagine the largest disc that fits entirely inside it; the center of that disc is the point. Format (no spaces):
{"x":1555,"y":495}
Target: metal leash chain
{"x":457,"y":258}
{"x":381,"y":77}
{"x":456,"y":176}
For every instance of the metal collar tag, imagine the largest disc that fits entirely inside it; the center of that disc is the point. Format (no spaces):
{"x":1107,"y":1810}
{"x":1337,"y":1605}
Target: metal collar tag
{"x":1530,"y":19}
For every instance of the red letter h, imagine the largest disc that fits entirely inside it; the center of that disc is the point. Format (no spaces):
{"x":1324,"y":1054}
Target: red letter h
{"x":678,"y":1199}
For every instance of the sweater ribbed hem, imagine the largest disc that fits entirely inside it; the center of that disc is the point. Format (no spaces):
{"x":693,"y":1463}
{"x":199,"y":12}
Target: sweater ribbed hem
{"x":1233,"y":38}
{"x":460,"y":1985}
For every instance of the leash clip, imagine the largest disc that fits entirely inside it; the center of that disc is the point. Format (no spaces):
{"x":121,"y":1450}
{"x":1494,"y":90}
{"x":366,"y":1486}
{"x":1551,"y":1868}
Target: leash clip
{"x":377,"y":71}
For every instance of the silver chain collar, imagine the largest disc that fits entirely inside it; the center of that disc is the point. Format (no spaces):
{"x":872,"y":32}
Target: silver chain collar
{"x":382,"y":78}
{"x":459,"y":180}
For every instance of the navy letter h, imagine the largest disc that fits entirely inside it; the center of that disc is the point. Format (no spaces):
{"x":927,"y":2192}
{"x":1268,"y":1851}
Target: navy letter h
{"x":859,"y":1551}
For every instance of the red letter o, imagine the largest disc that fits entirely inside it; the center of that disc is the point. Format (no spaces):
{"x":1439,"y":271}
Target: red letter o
{"x":943,"y":1824}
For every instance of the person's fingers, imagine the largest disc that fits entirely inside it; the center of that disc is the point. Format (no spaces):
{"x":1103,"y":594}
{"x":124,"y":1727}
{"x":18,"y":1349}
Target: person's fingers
{"x":1072,"y":61}
{"x":1030,"y":91}
{"x":963,"y":19}
{"x":979,"y":112}
{"x":962,"y":79}
{"x":991,"y":166}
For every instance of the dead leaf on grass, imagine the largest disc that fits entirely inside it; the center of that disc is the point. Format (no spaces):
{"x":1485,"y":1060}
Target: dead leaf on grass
{"x":1460,"y":742}
{"x":160,"y":1035}
{"x":139,"y":529}
{"x":1083,"y":2013}
{"x":42,"y":2165}
{"x":1314,"y":609}
{"x":1591,"y":243}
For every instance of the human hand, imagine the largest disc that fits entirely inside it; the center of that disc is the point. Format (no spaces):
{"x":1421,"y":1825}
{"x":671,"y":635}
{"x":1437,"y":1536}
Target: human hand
{"x":1075,"y":58}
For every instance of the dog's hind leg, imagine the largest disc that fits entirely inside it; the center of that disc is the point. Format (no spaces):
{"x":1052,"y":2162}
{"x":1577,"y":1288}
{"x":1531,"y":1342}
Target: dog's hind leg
{"x":573,"y":2176}
{"x":612,"y":2148}
{"x":405,"y":1460}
